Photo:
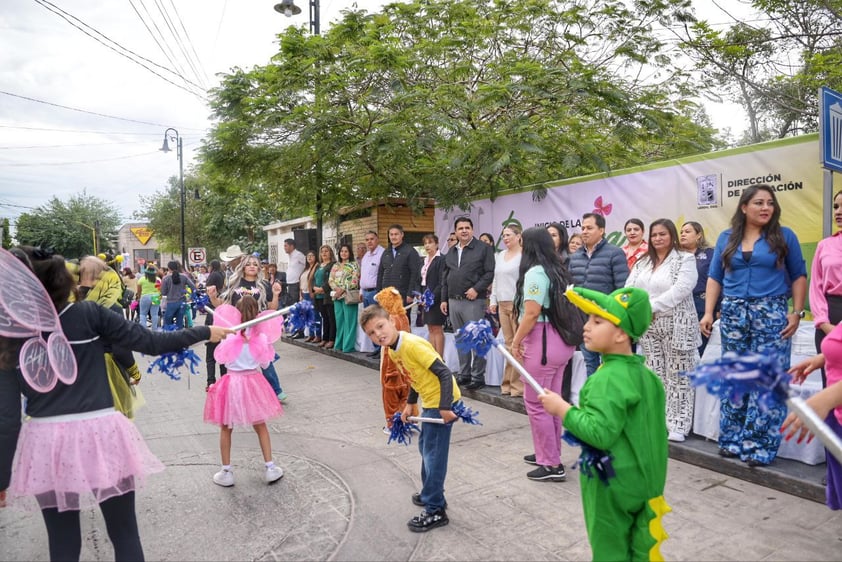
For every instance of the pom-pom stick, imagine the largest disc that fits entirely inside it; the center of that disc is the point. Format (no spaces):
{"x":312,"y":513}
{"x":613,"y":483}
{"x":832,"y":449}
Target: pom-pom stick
{"x":477,"y":337}
{"x":202,"y":302}
{"x":591,"y":460}
{"x":401,"y":431}
{"x":427,"y":299}
{"x":299,"y":308}
{"x":170,"y":363}
{"x":419,"y":419}
{"x":733,"y":375}
{"x":462,"y":412}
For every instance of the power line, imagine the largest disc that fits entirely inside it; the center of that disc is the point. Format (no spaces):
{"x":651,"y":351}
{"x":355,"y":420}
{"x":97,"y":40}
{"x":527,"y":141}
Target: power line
{"x":179,"y":43}
{"x":29,"y":164}
{"x":83,"y":131}
{"x":61,"y":13}
{"x":74,"y":145}
{"x":190,"y":43}
{"x":165,"y":48}
{"x":27,"y":98}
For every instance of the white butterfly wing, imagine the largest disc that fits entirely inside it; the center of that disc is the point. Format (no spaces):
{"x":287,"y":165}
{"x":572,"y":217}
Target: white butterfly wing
{"x":23,"y":298}
{"x":35,"y":366}
{"x":61,"y":358}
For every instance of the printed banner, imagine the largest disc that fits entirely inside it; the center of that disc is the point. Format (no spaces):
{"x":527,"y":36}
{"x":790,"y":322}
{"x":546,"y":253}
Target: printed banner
{"x":704,"y":188}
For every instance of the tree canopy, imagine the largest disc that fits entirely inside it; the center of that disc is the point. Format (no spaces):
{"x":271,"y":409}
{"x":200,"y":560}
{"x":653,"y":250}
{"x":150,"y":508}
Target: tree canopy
{"x":773,"y":70}
{"x":69,"y":227}
{"x":453,"y":100}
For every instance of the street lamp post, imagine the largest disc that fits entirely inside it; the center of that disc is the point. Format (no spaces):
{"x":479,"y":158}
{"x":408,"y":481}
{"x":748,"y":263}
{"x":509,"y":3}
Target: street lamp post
{"x":172,"y":134}
{"x":289,"y":9}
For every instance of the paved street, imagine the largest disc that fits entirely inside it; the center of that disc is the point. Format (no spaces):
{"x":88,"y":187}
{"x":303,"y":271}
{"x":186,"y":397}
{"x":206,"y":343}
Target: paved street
{"x":346,"y":494}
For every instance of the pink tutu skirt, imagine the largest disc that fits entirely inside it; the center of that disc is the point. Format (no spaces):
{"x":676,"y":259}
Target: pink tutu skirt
{"x":241,"y":398}
{"x":76,"y":461}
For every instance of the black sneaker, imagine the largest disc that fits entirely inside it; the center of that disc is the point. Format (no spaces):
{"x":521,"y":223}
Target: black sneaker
{"x":416,"y":499}
{"x":530,"y":459}
{"x":426,"y":521}
{"x":548,"y":474}
{"x":474,"y":385}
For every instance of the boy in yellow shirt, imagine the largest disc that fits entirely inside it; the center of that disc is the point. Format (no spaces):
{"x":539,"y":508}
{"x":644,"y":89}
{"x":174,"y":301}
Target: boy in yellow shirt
{"x":431,"y":380}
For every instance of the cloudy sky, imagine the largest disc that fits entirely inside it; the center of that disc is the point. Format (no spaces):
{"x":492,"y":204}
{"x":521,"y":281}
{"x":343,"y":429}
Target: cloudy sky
{"x":67,"y":53}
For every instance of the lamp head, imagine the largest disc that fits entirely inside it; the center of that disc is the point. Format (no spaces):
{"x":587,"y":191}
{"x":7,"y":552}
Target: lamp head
{"x":166,"y":147}
{"x":287,"y":8}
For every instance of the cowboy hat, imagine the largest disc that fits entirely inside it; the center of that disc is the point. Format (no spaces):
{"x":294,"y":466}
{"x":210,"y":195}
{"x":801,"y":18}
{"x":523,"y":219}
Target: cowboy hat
{"x":232,"y":253}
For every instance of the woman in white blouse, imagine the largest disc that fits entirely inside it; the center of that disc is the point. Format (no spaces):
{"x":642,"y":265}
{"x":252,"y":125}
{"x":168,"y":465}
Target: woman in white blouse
{"x":506,"y":271}
{"x":671,"y":342}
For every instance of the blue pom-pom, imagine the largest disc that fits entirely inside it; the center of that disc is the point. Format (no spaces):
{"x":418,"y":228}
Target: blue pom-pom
{"x":591,"y":460}
{"x":427,"y":299}
{"x":301,"y":315}
{"x":733,"y":376}
{"x":476,"y":336}
{"x":170,"y":363}
{"x":401,"y":432}
{"x":201,"y":301}
{"x":465,"y":413}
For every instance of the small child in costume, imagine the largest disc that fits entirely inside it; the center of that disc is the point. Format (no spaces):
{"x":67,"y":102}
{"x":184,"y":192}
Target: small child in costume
{"x":394,"y":384}
{"x":430,"y":378}
{"x":621,"y":424}
{"x":244,"y":396}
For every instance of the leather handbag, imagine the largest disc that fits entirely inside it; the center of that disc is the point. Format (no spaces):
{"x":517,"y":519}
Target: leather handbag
{"x":351,"y":296}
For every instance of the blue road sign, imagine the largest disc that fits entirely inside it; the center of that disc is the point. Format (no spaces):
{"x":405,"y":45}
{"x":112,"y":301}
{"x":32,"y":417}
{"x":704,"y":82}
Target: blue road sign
{"x":830,"y":128}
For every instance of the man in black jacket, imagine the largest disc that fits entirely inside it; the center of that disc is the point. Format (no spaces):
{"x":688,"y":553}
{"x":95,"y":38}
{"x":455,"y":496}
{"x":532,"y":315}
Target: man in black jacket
{"x":468,"y":272}
{"x":400,"y":266}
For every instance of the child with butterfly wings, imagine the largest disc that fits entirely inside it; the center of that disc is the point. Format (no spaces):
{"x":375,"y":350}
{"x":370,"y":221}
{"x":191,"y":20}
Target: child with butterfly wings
{"x":244,"y":396}
{"x":76,"y":451}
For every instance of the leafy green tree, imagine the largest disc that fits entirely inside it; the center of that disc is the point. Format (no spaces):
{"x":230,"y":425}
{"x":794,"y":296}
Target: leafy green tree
{"x":69,"y":227}
{"x":773,"y":70}
{"x":219,"y":217}
{"x":453,"y":100}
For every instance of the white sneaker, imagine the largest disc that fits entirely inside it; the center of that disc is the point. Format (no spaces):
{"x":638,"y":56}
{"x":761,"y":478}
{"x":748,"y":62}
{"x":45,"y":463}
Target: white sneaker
{"x":386,"y":430}
{"x":273,"y":474}
{"x":676,"y":437}
{"x":224,"y":478}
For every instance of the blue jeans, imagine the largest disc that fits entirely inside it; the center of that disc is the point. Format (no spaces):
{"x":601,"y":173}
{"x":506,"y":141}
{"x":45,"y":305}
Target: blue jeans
{"x":271,"y":375}
{"x":434,"y":445}
{"x":174,"y":315}
{"x":146,"y":307}
{"x":368,"y":300}
{"x":592,"y":360}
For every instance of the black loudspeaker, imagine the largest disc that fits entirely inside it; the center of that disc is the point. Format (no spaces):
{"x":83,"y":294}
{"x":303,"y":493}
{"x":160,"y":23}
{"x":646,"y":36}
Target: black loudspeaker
{"x":305,"y":240}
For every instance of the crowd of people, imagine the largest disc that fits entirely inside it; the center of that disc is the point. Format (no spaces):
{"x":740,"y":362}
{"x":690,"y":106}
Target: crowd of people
{"x":639,"y":314}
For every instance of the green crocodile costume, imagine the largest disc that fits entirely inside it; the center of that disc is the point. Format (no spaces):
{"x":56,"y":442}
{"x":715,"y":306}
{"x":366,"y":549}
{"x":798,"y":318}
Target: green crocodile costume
{"x":621,"y":416}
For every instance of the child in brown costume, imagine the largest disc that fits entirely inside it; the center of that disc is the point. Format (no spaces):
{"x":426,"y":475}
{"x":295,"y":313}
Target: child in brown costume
{"x":394,"y":384}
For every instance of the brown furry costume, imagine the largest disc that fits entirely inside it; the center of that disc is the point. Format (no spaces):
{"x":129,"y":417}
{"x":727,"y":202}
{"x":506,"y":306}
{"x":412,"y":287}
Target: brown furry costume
{"x":394,"y":384}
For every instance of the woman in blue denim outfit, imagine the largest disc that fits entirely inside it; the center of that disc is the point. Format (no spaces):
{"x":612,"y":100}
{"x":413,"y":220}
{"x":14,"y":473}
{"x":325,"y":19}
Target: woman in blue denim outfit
{"x":756,"y":266}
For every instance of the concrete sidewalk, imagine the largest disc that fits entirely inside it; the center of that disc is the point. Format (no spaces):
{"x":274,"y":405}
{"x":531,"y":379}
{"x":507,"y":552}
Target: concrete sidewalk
{"x":346,"y":494}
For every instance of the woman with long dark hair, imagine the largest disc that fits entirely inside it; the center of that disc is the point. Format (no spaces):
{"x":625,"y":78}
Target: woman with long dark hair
{"x":757,"y":264}
{"x":539,"y":346}
{"x":432,"y":271}
{"x":174,"y":293}
{"x":671,"y":343}
{"x":345,"y":277}
{"x":307,"y":295}
{"x":561,"y":238}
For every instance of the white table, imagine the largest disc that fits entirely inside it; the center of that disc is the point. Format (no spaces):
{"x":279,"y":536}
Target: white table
{"x":706,"y":414}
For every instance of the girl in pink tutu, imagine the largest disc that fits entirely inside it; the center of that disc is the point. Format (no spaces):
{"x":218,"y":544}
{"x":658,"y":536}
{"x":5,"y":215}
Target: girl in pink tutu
{"x":75,"y":451}
{"x":244,"y":396}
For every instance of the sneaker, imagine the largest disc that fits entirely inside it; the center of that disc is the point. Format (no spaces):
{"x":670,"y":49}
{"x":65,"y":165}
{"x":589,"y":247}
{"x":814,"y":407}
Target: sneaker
{"x":282,"y":396}
{"x":548,"y":474}
{"x":676,"y":437}
{"x":426,"y":521}
{"x":224,"y":478}
{"x":530,"y":459}
{"x":273,"y":474}
{"x":416,"y":499}
{"x":386,"y":430}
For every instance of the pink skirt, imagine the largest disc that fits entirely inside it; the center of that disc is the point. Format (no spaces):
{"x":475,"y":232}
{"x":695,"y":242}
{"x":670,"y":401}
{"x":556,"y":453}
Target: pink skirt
{"x":76,"y":461}
{"x":241,"y":398}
